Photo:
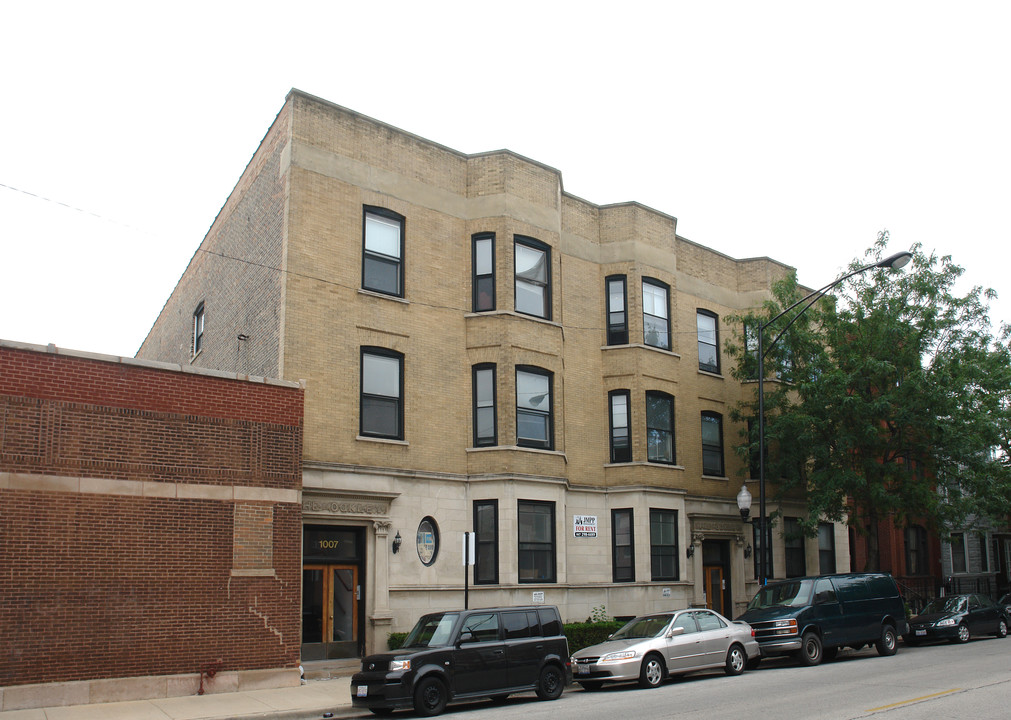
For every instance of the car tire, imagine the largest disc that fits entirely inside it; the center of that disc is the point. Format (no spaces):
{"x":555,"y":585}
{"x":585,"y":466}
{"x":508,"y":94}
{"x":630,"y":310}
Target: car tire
{"x":810,"y":653}
{"x":551,"y":683}
{"x":590,"y":686}
{"x":430,"y":697}
{"x":889,"y":642}
{"x":653,"y":671}
{"x":1001,"y":628}
{"x":737,"y":660}
{"x":963,"y":634}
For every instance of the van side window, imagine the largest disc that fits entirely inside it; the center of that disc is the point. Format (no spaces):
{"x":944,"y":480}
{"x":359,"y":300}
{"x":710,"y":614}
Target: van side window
{"x":483,"y":627}
{"x":551,"y":624}
{"x":882,"y":586}
{"x":823,"y":591}
{"x":520,"y":624}
{"x":851,"y":589}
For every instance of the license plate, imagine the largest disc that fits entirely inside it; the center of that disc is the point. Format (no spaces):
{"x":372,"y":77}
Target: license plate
{"x":921,"y":632}
{"x":582,"y":669}
{"x":363,"y":691}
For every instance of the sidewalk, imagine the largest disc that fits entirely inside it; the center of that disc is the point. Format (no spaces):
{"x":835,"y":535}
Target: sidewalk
{"x":304,"y":702}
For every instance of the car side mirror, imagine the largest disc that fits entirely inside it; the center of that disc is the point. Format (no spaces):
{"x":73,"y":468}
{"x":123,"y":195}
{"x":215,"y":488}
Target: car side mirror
{"x":465,"y":636}
{"x":675,"y":631}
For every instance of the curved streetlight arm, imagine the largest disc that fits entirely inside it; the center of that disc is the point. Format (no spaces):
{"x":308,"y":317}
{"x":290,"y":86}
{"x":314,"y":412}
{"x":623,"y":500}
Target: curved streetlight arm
{"x":896,"y":261}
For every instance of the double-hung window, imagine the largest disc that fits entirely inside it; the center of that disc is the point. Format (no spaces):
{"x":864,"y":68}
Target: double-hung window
{"x":663,"y":544}
{"x":660,"y":427}
{"x":957,"y":546}
{"x":485,"y":425}
{"x":536,"y":523}
{"x":617,"y":314}
{"x":198,"y":329}
{"x":483,"y":280}
{"x":793,"y":541}
{"x":826,"y":548}
{"x":656,"y":313}
{"x":382,"y":401}
{"x":756,"y":535}
{"x":533,"y":277}
{"x":916,"y":550}
{"x":383,"y":251}
{"x":622,"y":546}
{"x":486,"y":542}
{"x":534,"y":422}
{"x":621,"y":444}
{"x":709,"y":341}
{"x":712,"y":444}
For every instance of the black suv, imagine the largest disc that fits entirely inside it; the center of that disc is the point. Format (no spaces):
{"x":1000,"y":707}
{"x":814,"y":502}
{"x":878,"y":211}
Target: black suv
{"x":460,"y":654}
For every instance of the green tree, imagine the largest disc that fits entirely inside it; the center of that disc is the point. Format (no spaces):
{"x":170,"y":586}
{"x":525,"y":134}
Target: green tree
{"x":886,"y":401}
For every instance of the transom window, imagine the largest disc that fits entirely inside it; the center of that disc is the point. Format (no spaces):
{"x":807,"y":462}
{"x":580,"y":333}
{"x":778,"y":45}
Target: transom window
{"x":533,"y":277}
{"x":712,"y":444}
{"x":617,"y":315}
{"x":382,"y":409}
{"x":383,"y":255}
{"x":709,"y":339}
{"x":534,"y":423}
{"x":484,"y":272}
{"x":655,"y":314}
{"x":660,"y":427}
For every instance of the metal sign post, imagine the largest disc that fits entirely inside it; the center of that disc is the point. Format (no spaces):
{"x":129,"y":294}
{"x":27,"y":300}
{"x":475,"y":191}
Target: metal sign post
{"x":468,"y":560}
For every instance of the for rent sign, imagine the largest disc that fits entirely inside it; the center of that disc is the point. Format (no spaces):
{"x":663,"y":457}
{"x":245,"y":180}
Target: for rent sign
{"x":584,"y":526}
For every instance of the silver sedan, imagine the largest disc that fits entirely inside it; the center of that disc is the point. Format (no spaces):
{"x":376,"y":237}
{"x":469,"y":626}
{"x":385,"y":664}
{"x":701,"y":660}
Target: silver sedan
{"x":651,"y":648}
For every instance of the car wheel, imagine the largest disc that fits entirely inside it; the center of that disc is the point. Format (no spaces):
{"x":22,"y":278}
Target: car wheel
{"x":430,"y":697}
{"x":736,"y":660}
{"x":888,"y":643}
{"x":810,"y":649}
{"x":551,"y":683}
{"x":1001,"y":628}
{"x":963,"y":634}
{"x":652,"y":673}
{"x":591,"y":686}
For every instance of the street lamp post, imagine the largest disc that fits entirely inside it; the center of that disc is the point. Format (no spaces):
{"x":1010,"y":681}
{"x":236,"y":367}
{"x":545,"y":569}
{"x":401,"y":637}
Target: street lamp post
{"x":896,"y":261}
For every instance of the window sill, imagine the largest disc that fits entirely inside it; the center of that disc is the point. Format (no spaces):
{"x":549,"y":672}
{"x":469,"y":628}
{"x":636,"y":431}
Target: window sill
{"x":520,"y":448}
{"x":641,"y":346}
{"x":384,"y":296}
{"x":512,"y":313}
{"x":710,"y":373}
{"x":724,"y":478}
{"x":194,"y":356}
{"x":385,"y":441}
{"x":640,"y":463}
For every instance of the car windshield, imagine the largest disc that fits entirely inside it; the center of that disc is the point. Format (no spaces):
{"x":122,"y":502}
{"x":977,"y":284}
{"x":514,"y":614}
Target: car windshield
{"x":643,"y":627}
{"x":789,"y":594}
{"x":946,"y":605}
{"x":432,"y":630}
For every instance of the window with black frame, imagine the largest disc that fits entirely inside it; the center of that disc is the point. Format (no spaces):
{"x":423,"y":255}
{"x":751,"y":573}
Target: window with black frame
{"x":916,"y":550}
{"x":622,"y":546}
{"x":663,"y":548}
{"x":534,"y":420}
{"x":656,"y":314}
{"x":484,"y":393}
{"x":536,"y":536}
{"x":709,"y":341}
{"x":793,"y":541}
{"x":383,"y":251}
{"x":381,"y":407}
{"x":660,"y":446}
{"x":483,"y":281}
{"x":617,"y":310}
{"x":533,"y":277}
{"x":486,"y":542}
{"x":712,"y":444}
{"x":621,"y":442}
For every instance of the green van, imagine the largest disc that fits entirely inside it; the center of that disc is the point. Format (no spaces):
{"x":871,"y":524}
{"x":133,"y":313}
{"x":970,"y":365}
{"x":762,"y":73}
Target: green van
{"x":812,"y":617}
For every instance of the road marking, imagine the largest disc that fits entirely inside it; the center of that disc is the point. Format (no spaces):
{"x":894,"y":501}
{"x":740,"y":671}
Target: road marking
{"x":915,"y":700}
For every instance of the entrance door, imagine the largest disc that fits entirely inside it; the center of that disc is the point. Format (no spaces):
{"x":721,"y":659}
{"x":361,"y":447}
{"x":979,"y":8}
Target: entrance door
{"x":329,"y":611}
{"x":713,"y":575}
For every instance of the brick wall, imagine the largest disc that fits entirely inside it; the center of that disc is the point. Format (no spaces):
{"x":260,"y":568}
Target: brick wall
{"x":149,"y":519}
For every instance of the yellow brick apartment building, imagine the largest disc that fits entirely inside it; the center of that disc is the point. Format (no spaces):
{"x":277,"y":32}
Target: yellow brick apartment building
{"x":482,"y":353}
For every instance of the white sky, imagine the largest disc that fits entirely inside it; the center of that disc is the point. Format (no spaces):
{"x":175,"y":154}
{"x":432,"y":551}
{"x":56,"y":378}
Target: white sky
{"x":796,"y":130}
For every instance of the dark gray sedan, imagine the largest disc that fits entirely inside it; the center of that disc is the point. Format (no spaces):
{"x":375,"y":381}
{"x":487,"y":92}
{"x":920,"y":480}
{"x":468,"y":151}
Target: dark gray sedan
{"x":651,"y":648}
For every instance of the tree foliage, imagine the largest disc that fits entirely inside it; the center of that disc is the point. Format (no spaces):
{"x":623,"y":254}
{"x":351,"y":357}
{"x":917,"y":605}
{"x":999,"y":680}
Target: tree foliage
{"x":888,"y":401}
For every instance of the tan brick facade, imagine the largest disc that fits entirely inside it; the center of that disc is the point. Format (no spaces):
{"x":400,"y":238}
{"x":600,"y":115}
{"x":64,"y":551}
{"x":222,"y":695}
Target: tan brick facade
{"x":319,"y":168}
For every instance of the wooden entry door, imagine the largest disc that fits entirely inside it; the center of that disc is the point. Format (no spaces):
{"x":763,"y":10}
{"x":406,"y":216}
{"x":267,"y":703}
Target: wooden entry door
{"x":713,"y":579}
{"x":330,"y":595}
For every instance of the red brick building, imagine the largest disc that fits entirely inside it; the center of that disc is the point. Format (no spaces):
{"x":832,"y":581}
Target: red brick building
{"x":150,"y":529}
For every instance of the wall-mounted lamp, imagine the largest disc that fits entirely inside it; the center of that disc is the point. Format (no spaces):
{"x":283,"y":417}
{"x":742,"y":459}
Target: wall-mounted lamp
{"x":691,"y":550}
{"x":397,"y":542}
{"x":747,"y":552}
